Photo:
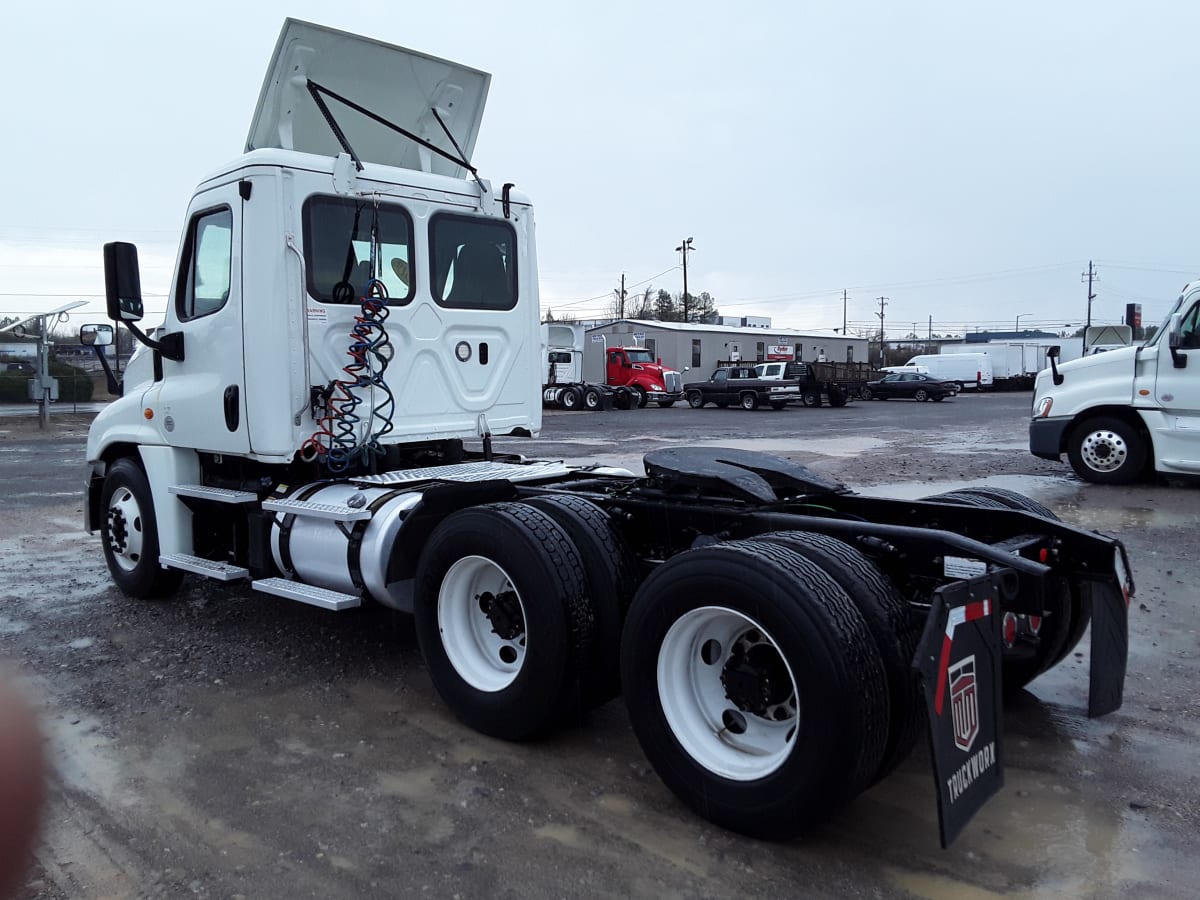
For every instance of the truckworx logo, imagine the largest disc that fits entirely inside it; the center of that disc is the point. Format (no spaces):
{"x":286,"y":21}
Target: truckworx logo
{"x":964,"y":703}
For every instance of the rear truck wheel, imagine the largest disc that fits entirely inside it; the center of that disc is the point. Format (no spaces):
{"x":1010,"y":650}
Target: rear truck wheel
{"x":640,"y":395}
{"x":837,"y":397}
{"x":811,"y":397}
{"x":921,"y":394}
{"x":623,"y":398}
{"x":894,"y":626}
{"x":778,"y":404}
{"x":866,"y":393}
{"x":592,"y":399}
{"x":129,"y":533}
{"x":1030,"y":644}
{"x":665,"y":404}
{"x":502,"y":618}
{"x":754,"y":687}
{"x":749,"y":400}
{"x":695,"y":399}
{"x":571,"y":398}
{"x":610,"y":570}
{"x":960,"y":385}
{"x":1105,"y":450}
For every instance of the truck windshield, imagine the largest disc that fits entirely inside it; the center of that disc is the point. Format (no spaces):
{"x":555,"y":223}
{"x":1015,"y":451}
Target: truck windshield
{"x":639,"y":356}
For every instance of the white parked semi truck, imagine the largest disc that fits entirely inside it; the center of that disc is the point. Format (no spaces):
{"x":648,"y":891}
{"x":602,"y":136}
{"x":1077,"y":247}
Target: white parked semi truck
{"x":354,"y":315}
{"x":1128,"y":412}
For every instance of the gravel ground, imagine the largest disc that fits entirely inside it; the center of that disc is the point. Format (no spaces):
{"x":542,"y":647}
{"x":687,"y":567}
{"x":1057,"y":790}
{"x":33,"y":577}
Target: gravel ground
{"x":228,"y":744}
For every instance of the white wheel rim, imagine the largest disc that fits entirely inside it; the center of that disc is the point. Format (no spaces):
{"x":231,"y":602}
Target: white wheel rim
{"x":487,"y":653}
{"x":125,"y":533}
{"x":1104,"y":451}
{"x":697,"y":649}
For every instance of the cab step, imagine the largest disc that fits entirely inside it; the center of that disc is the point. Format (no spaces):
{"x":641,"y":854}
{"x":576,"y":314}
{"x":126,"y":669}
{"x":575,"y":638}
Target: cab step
{"x":197,"y":565}
{"x":215,"y":494}
{"x":307,"y":593}
{"x":336,"y":512}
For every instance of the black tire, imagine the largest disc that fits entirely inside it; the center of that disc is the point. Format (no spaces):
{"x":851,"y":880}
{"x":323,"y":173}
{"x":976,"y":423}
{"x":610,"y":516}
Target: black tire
{"x":778,"y":404}
{"x":893,"y":624}
{"x":961,"y":387}
{"x":571,"y":398}
{"x":865,"y":393}
{"x":504,"y":686}
{"x":1038,"y":642}
{"x":623,"y":399}
{"x":611,"y":574}
{"x":921,"y":394}
{"x":1105,"y":450}
{"x":640,"y":395}
{"x":665,"y":404}
{"x":129,"y":534}
{"x":811,"y":397}
{"x":695,"y":399}
{"x":748,"y":400}
{"x":592,"y":399}
{"x":837,"y":397}
{"x":795,"y":628}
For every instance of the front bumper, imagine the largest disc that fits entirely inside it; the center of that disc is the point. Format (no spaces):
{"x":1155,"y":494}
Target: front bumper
{"x":1046,"y":437}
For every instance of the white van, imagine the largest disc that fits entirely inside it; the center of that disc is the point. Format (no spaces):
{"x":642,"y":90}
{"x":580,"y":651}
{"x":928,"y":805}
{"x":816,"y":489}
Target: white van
{"x":971,"y":371}
{"x":914,"y":370}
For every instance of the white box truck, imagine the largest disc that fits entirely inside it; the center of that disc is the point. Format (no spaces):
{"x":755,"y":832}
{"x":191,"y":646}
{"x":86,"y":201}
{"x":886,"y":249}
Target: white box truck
{"x":355,"y":314}
{"x":970,"y":371}
{"x":1124,"y":413}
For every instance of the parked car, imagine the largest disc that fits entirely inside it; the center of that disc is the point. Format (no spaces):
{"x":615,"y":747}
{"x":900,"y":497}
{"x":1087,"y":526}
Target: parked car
{"x":913,"y":385}
{"x":18,"y":368}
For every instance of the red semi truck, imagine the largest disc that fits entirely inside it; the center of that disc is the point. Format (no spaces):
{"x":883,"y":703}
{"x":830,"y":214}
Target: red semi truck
{"x":636,"y":368}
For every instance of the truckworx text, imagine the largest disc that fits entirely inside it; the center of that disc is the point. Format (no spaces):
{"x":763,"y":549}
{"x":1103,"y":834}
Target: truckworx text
{"x":354,"y":314}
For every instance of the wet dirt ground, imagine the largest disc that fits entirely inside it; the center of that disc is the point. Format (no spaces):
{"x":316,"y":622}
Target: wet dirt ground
{"x":226,"y":743}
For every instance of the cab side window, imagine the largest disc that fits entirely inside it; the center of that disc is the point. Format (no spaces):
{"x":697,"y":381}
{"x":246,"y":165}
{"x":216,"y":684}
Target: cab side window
{"x":1189,"y":332}
{"x":204,"y":276}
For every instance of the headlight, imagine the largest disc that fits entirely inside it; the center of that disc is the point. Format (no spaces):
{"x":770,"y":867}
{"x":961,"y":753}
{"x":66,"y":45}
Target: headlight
{"x":656,"y":387}
{"x":1043,"y":408}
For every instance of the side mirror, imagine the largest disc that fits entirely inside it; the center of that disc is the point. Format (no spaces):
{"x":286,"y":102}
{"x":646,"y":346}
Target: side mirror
{"x":1053,"y":352}
{"x":122,"y":282}
{"x":96,"y":335}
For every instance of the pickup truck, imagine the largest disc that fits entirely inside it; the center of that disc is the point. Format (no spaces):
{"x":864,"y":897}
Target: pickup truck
{"x":739,"y":384}
{"x":837,"y":382}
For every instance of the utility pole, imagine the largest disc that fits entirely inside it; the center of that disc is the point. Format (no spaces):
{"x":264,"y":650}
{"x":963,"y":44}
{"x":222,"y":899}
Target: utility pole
{"x":843,"y":312}
{"x":621,"y":298}
{"x":684,"y":246}
{"x":882,"y":304}
{"x":930,"y":338}
{"x":1091,"y":276}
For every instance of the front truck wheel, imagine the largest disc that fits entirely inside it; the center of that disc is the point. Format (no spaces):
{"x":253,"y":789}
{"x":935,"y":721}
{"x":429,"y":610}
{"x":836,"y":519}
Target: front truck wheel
{"x":1031,"y":644}
{"x":754,"y":687}
{"x":1105,"y":450}
{"x":129,"y":531}
{"x":695,"y":399}
{"x":502,"y":618}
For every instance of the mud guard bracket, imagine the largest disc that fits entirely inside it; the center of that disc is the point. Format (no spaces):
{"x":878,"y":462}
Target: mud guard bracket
{"x":959,"y":661}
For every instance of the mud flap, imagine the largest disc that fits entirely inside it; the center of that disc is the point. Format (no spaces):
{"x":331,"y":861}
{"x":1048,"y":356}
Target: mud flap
{"x":959,"y":662}
{"x":1110,"y":638}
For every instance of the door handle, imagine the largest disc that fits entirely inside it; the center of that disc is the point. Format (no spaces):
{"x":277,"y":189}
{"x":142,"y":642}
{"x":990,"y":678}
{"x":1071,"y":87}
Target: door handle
{"x":232,"y":407}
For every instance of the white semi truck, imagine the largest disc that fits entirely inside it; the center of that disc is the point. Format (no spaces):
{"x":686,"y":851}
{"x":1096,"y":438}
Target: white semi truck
{"x":1126,"y":412}
{"x":354,"y":315}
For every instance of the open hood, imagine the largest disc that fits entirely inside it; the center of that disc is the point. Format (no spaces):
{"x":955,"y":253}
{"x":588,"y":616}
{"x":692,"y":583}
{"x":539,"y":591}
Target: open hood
{"x":399,"y":85}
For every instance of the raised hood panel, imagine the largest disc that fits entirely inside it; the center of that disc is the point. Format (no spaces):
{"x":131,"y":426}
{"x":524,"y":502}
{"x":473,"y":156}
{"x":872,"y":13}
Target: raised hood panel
{"x":399,"y":85}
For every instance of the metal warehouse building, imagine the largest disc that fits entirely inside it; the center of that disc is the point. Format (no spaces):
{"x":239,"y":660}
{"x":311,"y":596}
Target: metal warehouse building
{"x":702,"y":347}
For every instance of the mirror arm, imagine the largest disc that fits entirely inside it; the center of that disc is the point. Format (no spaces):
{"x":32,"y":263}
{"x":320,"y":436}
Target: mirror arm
{"x":1178,"y":360}
{"x":169,"y":345}
{"x":115,"y":387}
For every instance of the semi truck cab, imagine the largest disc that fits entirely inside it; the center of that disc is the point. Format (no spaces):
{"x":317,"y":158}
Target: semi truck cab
{"x":1121,"y":414}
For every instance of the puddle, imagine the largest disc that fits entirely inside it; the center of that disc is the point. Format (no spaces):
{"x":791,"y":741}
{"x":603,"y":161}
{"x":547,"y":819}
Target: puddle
{"x":12,"y":626}
{"x":1054,"y":490}
{"x":81,"y":643}
{"x":1104,"y":518}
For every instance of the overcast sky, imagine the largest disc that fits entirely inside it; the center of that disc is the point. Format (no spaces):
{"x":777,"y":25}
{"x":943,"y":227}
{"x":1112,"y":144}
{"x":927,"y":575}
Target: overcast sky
{"x":963,"y":162}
